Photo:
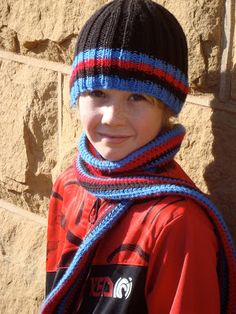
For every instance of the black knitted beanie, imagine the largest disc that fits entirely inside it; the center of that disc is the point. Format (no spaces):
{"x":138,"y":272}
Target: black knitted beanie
{"x":132,"y":45}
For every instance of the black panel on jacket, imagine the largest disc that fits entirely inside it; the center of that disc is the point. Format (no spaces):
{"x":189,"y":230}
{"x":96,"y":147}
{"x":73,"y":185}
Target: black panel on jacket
{"x":116,"y":289}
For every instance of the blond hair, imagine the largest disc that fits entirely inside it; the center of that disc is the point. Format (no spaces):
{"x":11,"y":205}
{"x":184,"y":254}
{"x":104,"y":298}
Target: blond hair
{"x":168,"y":114}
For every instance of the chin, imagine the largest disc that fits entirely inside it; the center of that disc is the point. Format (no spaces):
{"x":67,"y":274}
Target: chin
{"x":111,"y":156}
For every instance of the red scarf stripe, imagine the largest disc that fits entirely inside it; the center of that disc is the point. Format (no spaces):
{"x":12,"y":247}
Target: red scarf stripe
{"x":93,"y":170}
{"x":155,"y":152}
{"x":127,"y":65}
{"x":104,"y":181}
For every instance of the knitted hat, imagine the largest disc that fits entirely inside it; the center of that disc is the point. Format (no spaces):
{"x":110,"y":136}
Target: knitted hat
{"x":132,"y":45}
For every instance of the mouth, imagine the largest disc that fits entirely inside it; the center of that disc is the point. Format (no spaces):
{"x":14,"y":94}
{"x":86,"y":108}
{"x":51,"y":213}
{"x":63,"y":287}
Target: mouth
{"x":113,"y":138}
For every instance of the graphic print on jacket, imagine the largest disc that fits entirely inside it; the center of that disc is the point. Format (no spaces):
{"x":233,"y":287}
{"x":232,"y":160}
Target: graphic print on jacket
{"x":115,"y":289}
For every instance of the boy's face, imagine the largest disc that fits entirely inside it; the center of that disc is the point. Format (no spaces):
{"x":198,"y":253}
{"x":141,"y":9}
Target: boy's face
{"x":118,"y":122}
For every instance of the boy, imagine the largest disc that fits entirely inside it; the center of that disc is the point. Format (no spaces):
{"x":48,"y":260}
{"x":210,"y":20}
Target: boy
{"x":128,"y":231}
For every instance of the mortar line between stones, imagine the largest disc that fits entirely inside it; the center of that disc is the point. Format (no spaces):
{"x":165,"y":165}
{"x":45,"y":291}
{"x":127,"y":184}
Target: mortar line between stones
{"x":48,"y":65}
{"x":22,"y":212}
{"x":209,"y":101}
{"x":224,"y":91}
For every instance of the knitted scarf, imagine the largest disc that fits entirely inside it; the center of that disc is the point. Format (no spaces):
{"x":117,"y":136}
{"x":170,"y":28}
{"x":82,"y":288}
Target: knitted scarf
{"x":144,"y":174}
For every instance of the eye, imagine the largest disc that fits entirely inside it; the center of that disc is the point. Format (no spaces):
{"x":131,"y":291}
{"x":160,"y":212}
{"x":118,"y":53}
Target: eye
{"x":96,"y":93}
{"x":137,"y":97}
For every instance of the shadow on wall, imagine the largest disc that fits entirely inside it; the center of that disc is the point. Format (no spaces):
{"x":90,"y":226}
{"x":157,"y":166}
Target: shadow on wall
{"x":220,"y":175}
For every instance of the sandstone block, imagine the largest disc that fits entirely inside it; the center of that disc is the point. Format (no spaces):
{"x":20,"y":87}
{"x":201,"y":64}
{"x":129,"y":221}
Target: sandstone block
{"x":47,"y":29}
{"x":4,"y":11}
{"x":70,"y":129}
{"x":196,"y":151}
{"x":22,"y":260}
{"x":201,"y":21}
{"x":28,"y":144}
{"x":8,"y":39}
{"x":208,"y":156}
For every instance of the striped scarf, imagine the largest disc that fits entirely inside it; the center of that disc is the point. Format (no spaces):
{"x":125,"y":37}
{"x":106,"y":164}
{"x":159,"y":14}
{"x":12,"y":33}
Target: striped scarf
{"x":141,"y":175}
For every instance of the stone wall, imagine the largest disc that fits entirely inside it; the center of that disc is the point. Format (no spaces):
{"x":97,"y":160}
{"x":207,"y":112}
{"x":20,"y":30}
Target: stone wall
{"x":22,"y":258}
{"x":39,"y":130}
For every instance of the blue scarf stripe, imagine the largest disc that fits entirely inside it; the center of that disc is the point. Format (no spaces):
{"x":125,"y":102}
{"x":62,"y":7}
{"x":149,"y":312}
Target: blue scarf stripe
{"x":125,"y":55}
{"x":153,"y":164}
{"x":111,"y":165}
{"x":152,"y":190}
{"x":136,"y":193}
{"x":115,"y":82}
{"x":88,"y":241}
{"x":82,"y":169}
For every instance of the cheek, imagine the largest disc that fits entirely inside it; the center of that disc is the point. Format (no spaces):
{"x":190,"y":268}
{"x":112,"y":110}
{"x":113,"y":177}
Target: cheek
{"x":150,"y":123}
{"x":89,"y":118}
{"x":83,"y":116}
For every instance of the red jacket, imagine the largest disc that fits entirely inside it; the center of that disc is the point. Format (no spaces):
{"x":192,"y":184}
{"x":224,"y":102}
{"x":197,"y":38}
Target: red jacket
{"x":160,"y":257}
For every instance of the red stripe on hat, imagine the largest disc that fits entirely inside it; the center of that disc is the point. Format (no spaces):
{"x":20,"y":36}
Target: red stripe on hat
{"x":127,"y":65}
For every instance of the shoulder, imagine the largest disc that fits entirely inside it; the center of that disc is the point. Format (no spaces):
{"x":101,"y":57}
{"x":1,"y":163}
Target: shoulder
{"x":175,"y":208}
{"x":66,"y":185}
{"x":182,"y":217}
{"x":66,"y":178}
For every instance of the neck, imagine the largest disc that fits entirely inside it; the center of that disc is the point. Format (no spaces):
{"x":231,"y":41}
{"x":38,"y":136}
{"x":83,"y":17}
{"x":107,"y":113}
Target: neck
{"x":159,"y":152}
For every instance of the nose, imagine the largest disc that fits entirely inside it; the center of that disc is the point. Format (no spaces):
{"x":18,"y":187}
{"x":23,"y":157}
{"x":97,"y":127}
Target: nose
{"x":113,"y":114}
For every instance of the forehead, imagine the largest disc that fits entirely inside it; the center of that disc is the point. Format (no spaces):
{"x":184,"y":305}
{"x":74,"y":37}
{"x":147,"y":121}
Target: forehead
{"x":118,"y":92}
{"x":113,"y":92}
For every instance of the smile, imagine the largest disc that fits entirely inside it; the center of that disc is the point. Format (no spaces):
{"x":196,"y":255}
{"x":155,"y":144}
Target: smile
{"x":113,"y":138}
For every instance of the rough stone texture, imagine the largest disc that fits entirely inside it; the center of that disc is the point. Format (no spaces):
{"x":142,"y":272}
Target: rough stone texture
{"x":233,"y":71}
{"x":28,"y":142}
{"x":45,"y":29}
{"x":8,"y":39}
{"x":22,"y":262}
{"x":197,"y":145}
{"x":70,"y":130}
{"x":49,"y":29}
{"x":208,"y":156}
{"x":201,"y":21}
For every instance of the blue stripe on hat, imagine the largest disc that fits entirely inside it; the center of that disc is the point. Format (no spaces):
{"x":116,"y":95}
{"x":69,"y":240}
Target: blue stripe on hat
{"x":114,"y":82}
{"x":121,"y":54}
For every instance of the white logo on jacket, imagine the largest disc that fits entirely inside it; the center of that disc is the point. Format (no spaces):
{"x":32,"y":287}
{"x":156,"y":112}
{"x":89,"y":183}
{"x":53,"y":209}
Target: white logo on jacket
{"x":122,"y":288}
{"x":105,"y":287}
